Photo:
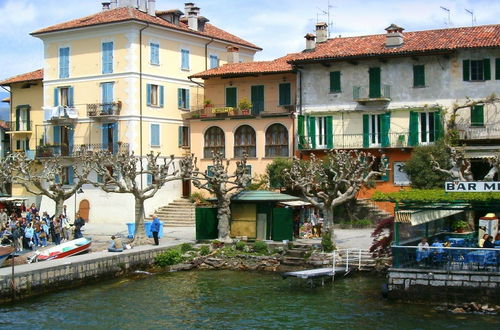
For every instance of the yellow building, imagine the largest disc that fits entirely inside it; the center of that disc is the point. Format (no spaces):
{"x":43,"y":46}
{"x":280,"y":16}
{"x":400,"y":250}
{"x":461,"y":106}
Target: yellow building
{"x":263,"y":128}
{"x":119,"y":79}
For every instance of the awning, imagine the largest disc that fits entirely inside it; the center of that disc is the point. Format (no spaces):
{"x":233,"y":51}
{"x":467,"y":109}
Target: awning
{"x":422,"y":216}
{"x":296,"y":203}
{"x":263,"y":196}
{"x":12,"y":199}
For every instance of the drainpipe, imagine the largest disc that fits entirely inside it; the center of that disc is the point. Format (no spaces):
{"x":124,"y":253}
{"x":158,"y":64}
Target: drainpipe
{"x":206,"y":53}
{"x":10,"y":115}
{"x":300,"y":90}
{"x":140,"y":96}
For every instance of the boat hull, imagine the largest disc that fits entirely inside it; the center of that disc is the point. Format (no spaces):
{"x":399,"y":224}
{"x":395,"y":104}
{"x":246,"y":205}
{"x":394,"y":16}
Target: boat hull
{"x":5,"y":252}
{"x":76,"y":247}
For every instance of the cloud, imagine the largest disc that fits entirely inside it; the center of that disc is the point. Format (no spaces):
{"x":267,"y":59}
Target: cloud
{"x":15,"y":13}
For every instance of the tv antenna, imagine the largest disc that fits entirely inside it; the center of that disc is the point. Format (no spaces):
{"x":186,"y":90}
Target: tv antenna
{"x":326,"y":13}
{"x":473,"y":17}
{"x":449,"y":15}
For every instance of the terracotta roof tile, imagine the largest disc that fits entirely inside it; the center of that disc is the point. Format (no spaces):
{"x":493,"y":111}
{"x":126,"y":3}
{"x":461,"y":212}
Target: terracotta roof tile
{"x":414,"y":43}
{"x":30,"y":76}
{"x":129,"y":14}
{"x":278,"y":65}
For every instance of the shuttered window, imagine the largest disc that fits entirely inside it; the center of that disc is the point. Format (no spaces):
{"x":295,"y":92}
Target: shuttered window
{"x":155,"y":135}
{"x":477,"y":115}
{"x":285,"y":97}
{"x":214,"y":61}
{"x":374,"y":79}
{"x":476,"y":70}
{"x":183,"y":136}
{"x":183,"y":101}
{"x":184,"y":59}
{"x":64,"y":62}
{"x":418,"y":76}
{"x":231,"y":94}
{"x":497,"y":68}
{"x":107,"y":57}
{"x":155,"y":54}
{"x":335,"y":82}
{"x":154,"y":95}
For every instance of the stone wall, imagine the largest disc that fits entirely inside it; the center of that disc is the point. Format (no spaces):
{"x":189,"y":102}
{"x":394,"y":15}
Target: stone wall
{"x":439,"y":285}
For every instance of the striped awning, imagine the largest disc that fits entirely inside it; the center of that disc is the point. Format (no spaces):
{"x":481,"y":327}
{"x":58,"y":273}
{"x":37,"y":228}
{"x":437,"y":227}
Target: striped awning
{"x":418,"y":217}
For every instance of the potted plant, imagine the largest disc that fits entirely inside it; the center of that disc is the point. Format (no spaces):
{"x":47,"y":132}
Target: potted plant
{"x":245,"y":106}
{"x":460,"y":226}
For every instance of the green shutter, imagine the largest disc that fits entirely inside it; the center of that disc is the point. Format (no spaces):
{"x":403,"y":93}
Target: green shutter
{"x":18,"y":117}
{"x":257,"y":99}
{"x":366,"y":131}
{"x":487,"y":69}
{"x":231,"y":97}
{"x":497,"y":69}
{"x":386,"y":176}
{"x":335,"y":86}
{"x":413,"y":136}
{"x":300,"y":131}
{"x":466,"y":70}
{"x":374,"y":74}
{"x":285,"y":94}
{"x":477,"y":115}
{"x":28,"y":119}
{"x":329,"y":132}
{"x":311,"y":130}
{"x":148,"y":94}
{"x":385,"y":126}
{"x":418,"y":76}
{"x":438,"y":126}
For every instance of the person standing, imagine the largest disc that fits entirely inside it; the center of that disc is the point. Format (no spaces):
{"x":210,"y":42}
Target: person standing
{"x":66,"y":227}
{"x":29,"y":234}
{"x":17,"y":235}
{"x":57,"y":231}
{"x":79,"y":223}
{"x":155,"y":229}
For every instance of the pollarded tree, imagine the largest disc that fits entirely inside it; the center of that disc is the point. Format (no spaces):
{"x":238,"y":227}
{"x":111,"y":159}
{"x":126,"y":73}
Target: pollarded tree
{"x":218,"y":182}
{"x":460,"y":166}
{"x":123,"y":172}
{"x":335,"y":181}
{"x":46,"y":176}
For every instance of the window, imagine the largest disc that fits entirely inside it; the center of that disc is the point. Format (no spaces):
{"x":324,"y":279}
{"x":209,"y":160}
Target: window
{"x":214,"y":61}
{"x":321,"y":132}
{"x":107,"y":97}
{"x":276,"y":141}
{"x":231,"y":97}
{"x":374,"y":130}
{"x":183,"y":136}
{"x":23,"y":118}
{"x":155,"y":135}
{"x":426,"y":128}
{"x":477,"y":115}
{"x":64,"y":62}
{"x":418,"y":76}
{"x":107,"y":57}
{"x":183,"y":98}
{"x":155,"y":54}
{"x":214,"y":142}
{"x":374,"y":79}
{"x":154,"y":95}
{"x":497,"y":69}
{"x":244,"y":141}
{"x":67,"y":175}
{"x":23,"y":145}
{"x":476,"y":70}
{"x":63,"y":96}
{"x":335,"y":82}
{"x":285,"y":97}
{"x":184,"y":59}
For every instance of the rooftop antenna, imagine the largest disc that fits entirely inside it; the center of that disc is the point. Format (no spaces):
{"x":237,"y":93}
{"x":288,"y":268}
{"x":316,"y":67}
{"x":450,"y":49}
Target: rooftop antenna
{"x":449,"y":16}
{"x":327,"y":13}
{"x":471,"y":12}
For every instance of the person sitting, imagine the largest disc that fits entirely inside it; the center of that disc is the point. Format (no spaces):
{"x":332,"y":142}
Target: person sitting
{"x":115,"y":245}
{"x":423,"y":249}
{"x":488,"y":243}
{"x":482,"y":240}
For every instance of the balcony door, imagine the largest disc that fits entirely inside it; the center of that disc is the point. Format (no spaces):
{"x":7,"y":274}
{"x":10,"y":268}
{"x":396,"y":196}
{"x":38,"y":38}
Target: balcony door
{"x":110,"y":137}
{"x":321,"y":132}
{"x":63,"y":140}
{"x":257,"y":99}
{"x":107,"y":98}
{"x":374,"y":130}
{"x":23,"y":118}
{"x":374,"y":87}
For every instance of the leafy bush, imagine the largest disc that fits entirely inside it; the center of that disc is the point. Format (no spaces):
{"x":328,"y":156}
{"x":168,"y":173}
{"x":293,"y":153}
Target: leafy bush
{"x":240,"y":246}
{"x":198,"y":198}
{"x":185,"y":247}
{"x":204,"y":250}
{"x":168,"y":258}
{"x":216,"y":244}
{"x":326,"y":242}
{"x":275,"y":172}
{"x":260,"y":247}
{"x":362,"y":223}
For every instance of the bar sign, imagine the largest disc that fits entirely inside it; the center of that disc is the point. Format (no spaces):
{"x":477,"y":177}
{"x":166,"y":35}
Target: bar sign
{"x":477,"y":186}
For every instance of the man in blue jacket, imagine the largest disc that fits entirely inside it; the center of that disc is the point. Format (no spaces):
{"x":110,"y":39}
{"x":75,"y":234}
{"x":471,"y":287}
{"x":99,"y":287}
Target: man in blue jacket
{"x":155,"y":228}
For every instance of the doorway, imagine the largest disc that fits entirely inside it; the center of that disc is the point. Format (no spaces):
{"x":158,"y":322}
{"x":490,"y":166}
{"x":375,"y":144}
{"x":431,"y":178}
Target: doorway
{"x":84,"y":209}
{"x":186,"y":188}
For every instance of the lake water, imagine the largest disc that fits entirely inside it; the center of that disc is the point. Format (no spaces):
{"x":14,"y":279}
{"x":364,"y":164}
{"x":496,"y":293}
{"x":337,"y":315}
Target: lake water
{"x":229,"y":299}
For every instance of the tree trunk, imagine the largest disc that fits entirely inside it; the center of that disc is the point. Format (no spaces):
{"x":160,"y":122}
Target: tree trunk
{"x":59,"y":206}
{"x":223,"y":215}
{"x":328,"y":223}
{"x":139,"y":234}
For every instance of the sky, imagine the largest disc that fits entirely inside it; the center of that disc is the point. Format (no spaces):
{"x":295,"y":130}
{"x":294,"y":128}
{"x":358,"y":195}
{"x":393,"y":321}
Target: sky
{"x":277,"y":26}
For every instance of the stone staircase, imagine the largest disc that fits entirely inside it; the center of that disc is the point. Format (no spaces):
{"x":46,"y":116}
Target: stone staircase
{"x":295,"y":255}
{"x":179,"y":213}
{"x":372,"y":209}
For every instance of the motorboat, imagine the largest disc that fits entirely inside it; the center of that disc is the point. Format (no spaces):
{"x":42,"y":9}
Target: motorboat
{"x":63,"y":250}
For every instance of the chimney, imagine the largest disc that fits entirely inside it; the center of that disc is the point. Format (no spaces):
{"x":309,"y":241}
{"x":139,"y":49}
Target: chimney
{"x":192,"y":20}
{"x":142,"y":5}
{"x":321,"y":32}
{"x":105,"y":5}
{"x":310,"y":41}
{"x":233,"y":54}
{"x":394,"y":37}
{"x":201,"y":23}
{"x":187,"y":7}
{"x":113,"y":4}
{"x":152,"y":7}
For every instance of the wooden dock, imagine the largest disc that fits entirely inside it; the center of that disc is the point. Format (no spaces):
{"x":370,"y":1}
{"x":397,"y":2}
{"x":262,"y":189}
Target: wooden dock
{"x":313,"y":273}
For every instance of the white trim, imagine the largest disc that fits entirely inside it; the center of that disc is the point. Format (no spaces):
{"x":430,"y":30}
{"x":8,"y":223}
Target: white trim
{"x":131,"y":118}
{"x":123,"y":75}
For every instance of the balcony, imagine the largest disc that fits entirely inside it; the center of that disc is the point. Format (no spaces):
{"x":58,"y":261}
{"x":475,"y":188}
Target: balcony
{"x":104,"y":110}
{"x":60,"y":114}
{"x":19,"y":126}
{"x":354,"y":141}
{"x":362,"y":95}
{"x":62,"y":150}
{"x":222,"y":112}
{"x":479,"y":134}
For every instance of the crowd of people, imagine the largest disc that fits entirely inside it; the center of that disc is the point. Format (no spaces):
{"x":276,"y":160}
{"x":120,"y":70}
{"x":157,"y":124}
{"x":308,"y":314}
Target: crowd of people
{"x":25,"y":228}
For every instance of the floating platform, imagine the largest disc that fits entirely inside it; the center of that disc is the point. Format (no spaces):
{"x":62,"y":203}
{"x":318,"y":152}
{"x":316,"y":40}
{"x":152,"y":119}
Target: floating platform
{"x":313,"y":273}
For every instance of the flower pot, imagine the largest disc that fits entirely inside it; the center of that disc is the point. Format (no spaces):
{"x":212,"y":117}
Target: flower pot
{"x":245,"y":112}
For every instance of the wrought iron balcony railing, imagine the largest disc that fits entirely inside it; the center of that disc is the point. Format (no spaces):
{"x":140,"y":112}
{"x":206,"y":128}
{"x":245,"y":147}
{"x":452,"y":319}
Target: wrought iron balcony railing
{"x":20,"y":125}
{"x":62,"y":150}
{"x":363,"y":94}
{"x":354,"y":141}
{"x":223,"y":111}
{"x":104,"y":109}
{"x":479,"y":132}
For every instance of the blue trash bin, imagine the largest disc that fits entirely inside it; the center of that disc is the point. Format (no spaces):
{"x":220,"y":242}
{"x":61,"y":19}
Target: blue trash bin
{"x":147,"y":229}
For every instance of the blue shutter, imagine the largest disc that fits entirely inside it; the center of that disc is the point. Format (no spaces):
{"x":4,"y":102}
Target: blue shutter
{"x":160,"y":88}
{"x":180,"y":138}
{"x":64,"y":62}
{"x":107,"y":57}
{"x":71,"y":174}
{"x":155,"y":134}
{"x":149,"y":179}
{"x":155,"y":53}
{"x":148,"y":94}
{"x":187,"y":105}
{"x":57,"y":134}
{"x":179,"y":98}
{"x":185,"y":59}
{"x":70,"y":97}
{"x":57,"y":179}
{"x":115,"y":138}
{"x":104,"y":136}
{"x":214,"y":61}
{"x":56,"y":97}
{"x":71,"y":136}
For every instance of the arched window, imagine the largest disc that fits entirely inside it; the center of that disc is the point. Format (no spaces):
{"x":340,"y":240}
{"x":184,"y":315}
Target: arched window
{"x":214,"y":142}
{"x":277,"y":141}
{"x":244,"y":141}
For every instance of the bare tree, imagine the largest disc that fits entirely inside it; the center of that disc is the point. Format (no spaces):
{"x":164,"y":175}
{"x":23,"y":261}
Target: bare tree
{"x":460,"y":166}
{"x":45,"y":176}
{"x":495,"y":168}
{"x":330,"y":183}
{"x":218,"y":182}
{"x":123,"y":172}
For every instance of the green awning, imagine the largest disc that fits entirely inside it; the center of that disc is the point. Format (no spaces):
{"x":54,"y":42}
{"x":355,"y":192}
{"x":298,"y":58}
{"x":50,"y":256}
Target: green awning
{"x":263,"y":196}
